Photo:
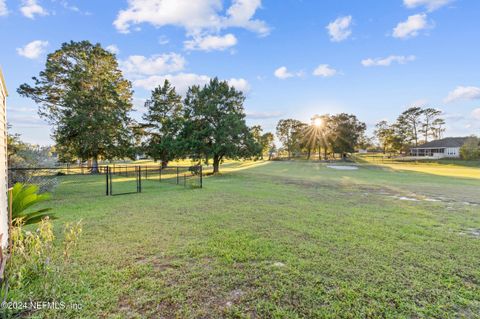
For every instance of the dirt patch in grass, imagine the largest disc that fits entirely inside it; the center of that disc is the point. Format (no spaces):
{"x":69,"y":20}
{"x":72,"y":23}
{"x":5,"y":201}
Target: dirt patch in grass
{"x":349,"y":188}
{"x":474,"y":232}
{"x":343,"y":167}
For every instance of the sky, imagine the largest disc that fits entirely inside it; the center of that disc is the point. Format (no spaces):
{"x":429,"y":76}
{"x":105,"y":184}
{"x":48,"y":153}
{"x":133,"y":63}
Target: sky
{"x":292,"y":58}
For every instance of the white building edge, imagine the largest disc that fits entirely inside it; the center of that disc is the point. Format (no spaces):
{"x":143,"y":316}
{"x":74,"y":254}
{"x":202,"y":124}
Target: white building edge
{"x":3,"y":162}
{"x":448,"y":147}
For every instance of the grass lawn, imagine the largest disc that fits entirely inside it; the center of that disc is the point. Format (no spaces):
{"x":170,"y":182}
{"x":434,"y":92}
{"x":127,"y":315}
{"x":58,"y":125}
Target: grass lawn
{"x":444,"y":167}
{"x":277,"y":240}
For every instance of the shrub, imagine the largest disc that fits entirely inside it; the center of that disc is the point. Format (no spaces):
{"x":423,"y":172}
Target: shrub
{"x":25,"y":197}
{"x":72,"y":232}
{"x":470,"y":150}
{"x":35,"y":264}
{"x":30,"y":253}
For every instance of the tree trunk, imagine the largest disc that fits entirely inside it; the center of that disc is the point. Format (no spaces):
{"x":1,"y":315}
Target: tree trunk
{"x":415,"y":134}
{"x":308,"y":154}
{"x":216,"y":164}
{"x":319,"y":153}
{"x":94,"y":168}
{"x":325,"y":153}
{"x":164,"y":164}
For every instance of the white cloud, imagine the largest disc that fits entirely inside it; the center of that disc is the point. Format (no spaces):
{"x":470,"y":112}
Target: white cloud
{"x":33,"y":49}
{"x":431,"y":5}
{"x":195,"y":16}
{"x":476,"y":114}
{"x":30,"y":8}
{"x":211,"y":42}
{"x":112,"y":48}
{"x":283,"y":73}
{"x":3,"y":8}
{"x":324,"y":70}
{"x":400,"y":59}
{"x":411,"y":28}
{"x":138,"y":65}
{"x":239,"y":84}
{"x":182,"y":81}
{"x":463,"y":93}
{"x":340,"y":29}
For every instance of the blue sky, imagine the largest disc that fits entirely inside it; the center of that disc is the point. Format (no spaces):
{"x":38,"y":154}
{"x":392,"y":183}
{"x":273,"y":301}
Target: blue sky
{"x":293,"y":58}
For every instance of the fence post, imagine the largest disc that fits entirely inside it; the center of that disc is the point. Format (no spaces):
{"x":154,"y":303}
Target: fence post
{"x":184,"y":180}
{"x":136,"y":177}
{"x":146,"y":172}
{"x":177,"y":175}
{"x":139,"y":179}
{"x":201,"y":176}
{"x":110,"y":182}
{"x":160,"y":173}
{"x":106,"y":181}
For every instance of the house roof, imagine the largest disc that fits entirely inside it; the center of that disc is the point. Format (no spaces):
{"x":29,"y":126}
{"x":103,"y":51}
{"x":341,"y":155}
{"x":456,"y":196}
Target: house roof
{"x":2,"y":82}
{"x":444,"y":142}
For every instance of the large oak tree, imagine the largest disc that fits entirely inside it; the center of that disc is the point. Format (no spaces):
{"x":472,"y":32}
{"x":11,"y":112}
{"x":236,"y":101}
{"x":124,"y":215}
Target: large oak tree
{"x":83,"y":94}
{"x":346,"y":132}
{"x":215,"y":124}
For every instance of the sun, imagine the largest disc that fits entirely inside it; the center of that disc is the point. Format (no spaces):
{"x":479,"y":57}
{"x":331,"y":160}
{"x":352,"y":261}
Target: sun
{"x":317,"y":122}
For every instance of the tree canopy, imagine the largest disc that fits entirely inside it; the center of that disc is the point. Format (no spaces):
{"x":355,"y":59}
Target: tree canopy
{"x":163,"y":125}
{"x":414,"y":126}
{"x":470,"y":150}
{"x":85,"y":97}
{"x":215,"y":124}
{"x":290,"y":133}
{"x":83,"y":94}
{"x":345,"y":132}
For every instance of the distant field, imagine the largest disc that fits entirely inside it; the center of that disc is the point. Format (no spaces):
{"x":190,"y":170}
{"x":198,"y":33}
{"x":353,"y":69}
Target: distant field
{"x":278,"y":240}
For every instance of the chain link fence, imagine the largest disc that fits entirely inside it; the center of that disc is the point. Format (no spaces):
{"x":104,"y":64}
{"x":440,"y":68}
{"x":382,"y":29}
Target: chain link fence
{"x":106,"y":179}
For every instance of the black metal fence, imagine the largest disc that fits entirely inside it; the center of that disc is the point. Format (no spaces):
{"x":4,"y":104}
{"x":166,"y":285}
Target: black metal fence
{"x":107,"y":179}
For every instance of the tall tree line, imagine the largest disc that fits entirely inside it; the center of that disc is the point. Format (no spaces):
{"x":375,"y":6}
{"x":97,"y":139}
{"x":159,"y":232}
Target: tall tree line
{"x":84,"y":96}
{"x":326,"y":134}
{"x":86,"y":99}
{"x":413,"y":127}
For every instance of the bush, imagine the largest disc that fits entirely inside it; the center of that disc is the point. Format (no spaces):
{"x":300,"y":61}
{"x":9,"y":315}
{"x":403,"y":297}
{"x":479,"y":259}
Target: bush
{"x":33,"y":271}
{"x":470,"y":150}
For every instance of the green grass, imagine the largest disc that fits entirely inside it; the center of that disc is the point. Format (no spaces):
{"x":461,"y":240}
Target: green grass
{"x":275,"y":240}
{"x":444,"y":167}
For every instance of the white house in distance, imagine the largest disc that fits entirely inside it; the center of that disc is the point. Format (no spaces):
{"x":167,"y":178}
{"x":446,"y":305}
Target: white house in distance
{"x":446,"y":147}
{"x":3,"y":162}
